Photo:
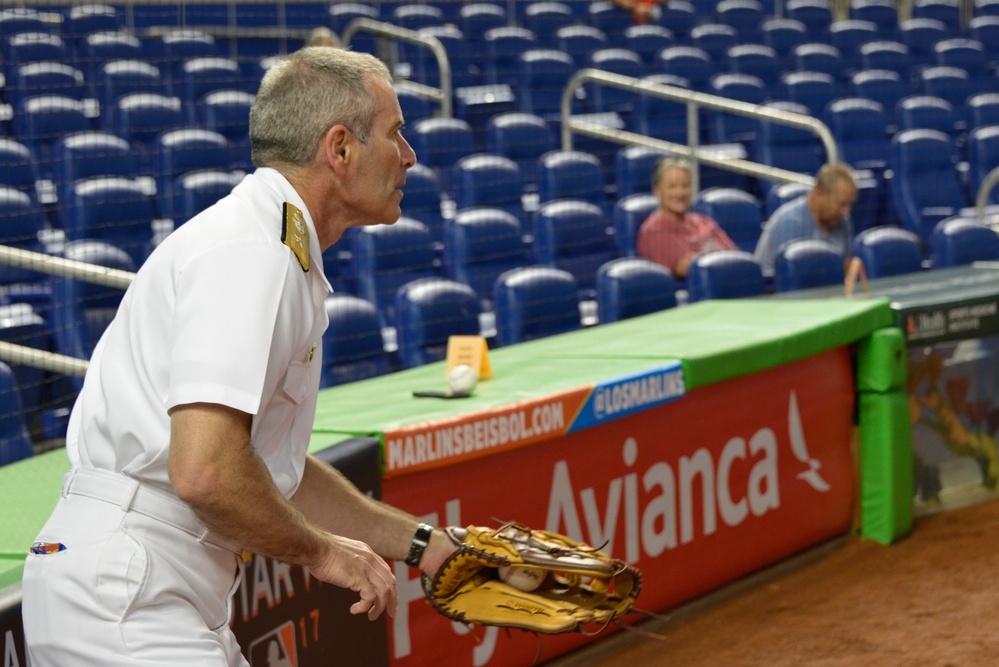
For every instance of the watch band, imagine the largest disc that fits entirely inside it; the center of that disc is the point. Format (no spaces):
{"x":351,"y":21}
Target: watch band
{"x":420,"y":541}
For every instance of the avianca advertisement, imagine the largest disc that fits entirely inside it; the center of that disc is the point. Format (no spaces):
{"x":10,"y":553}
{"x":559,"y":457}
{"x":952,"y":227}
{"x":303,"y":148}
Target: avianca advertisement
{"x":696,"y":488}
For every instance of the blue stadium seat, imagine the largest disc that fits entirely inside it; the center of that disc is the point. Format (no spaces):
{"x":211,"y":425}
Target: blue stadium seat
{"x":20,"y":221}
{"x":341,"y":14}
{"x":17,"y":166}
{"x":743,"y":15}
{"x":489,"y":180}
{"x":422,"y":199}
{"x":986,"y":8}
{"x":104,"y":47}
{"x":413,"y":104}
{"x":112,"y":209}
{"x":631,"y":287}
{"x":464,"y":69}
{"x":820,"y":57}
{"x":83,"y":20}
{"x":950,"y":83}
{"x":195,"y":191}
{"x":353,"y":347}
{"x":946,"y":11}
{"x":814,"y":90}
{"x":886,"y":54}
{"x":957,"y":240}
{"x":117,"y":78}
{"x":440,"y":143}
{"x":737,"y":212}
{"x":15,"y":442}
{"x":882,"y":13}
{"x":174,"y":47}
{"x":579,"y":41}
{"x":20,"y":324}
{"x":848,"y":36}
{"x":925,"y":188}
{"x":782,"y":35}
{"x":523,"y":138}
{"x":83,"y":155}
{"x":31,"y":47}
{"x":883,"y":86}
{"x":858,"y":126}
{"x":42,"y":120}
{"x":180,"y":151}
{"x":81,"y":311}
{"x":610,"y":20}
{"x":629,"y":214}
{"x":477,"y":104}
{"x":140,"y":117}
{"x":788,"y":147}
{"x":888,"y":251}
{"x":807,"y":263}
{"x":759,"y":61}
{"x":386,"y":257}
{"x":679,"y":17}
{"x":967,"y":54}
{"x":45,"y":78}
{"x":572,"y":175}
{"x":503,"y":49}
{"x":572,"y":235}
{"x":726,"y":127}
{"x":415,"y":16}
{"x":985,"y":29}
{"x":715,"y":39}
{"x":22,"y":19}
{"x":647,"y":40}
{"x":926,"y":112}
{"x":428,"y":312}
{"x":618,"y":61}
{"x":920,"y":36}
{"x":982,"y":109}
{"x":542,"y":75}
{"x":663,"y":119}
{"x":228,"y":113}
{"x":479,"y":245}
{"x":689,"y":62}
{"x":200,"y":76}
{"x":780,"y":194}
{"x":815,"y":14}
{"x":479,"y":17}
{"x":983,"y":156}
{"x":633,"y":168}
{"x":724,"y":274}
{"x":545,"y":18}
{"x":534,"y":302}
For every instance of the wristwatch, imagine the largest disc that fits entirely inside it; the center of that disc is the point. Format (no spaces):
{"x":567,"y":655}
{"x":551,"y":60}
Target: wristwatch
{"x":420,"y":541}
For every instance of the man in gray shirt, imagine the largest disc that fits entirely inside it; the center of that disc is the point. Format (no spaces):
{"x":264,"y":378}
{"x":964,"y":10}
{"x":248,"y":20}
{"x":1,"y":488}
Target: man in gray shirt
{"x":823,"y":213}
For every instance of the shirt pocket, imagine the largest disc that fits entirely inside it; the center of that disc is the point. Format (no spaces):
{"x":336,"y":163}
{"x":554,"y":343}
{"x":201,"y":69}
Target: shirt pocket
{"x":296,"y":381}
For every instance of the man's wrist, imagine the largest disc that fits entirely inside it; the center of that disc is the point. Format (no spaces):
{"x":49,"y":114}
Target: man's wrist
{"x":420,"y":541}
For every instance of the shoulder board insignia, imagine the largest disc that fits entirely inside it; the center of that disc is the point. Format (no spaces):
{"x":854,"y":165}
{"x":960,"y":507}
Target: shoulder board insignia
{"x":295,"y":234}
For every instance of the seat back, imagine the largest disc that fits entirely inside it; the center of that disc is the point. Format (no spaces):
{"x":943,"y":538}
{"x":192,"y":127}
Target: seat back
{"x":489,"y":180}
{"x":479,"y":17}
{"x":659,"y":118}
{"x":728,"y":128}
{"x":545,"y":18}
{"x":724,"y":274}
{"x":858,"y":126}
{"x":579,"y":41}
{"x":629,"y":214}
{"x":630,"y":287}
{"x":759,"y":61}
{"x":679,"y":17}
{"x":958,"y":240}
{"x":17,"y":166}
{"x":743,"y":15}
{"x":430,"y":310}
{"x":787,"y":147}
{"x":618,"y":61}
{"x":950,"y":83}
{"x":117,"y":78}
{"x":141,"y":116}
{"x":882,"y":13}
{"x":440,"y":143}
{"x":782,"y":35}
{"x":542,"y":75}
{"x":112,"y":209}
{"x":89,"y":155}
{"x":883,"y":86}
{"x":523,"y":138}
{"x":848,"y":36}
{"x":15,"y":442}
{"x":610,"y":20}
{"x":925,"y":187}
{"x":947,"y":12}
{"x":815,"y":14}
{"x":533,"y":302}
{"x":353,"y":348}
{"x":715,"y":38}
{"x":181,"y":151}
{"x":888,"y":251}
{"x":983,"y":156}
{"x":572,"y":175}
{"x":926,"y":112}
{"x":503,"y":49}
{"x":737,"y":212}
{"x":422,"y":199}
{"x":982,"y":109}
{"x":20,"y":324}
{"x":689,"y":62}
{"x":807,"y":263}
{"x":480,"y":244}
{"x":20,"y":221}
{"x":920,"y":36}
{"x":386,"y":257}
{"x":195,"y":191}
{"x":647,"y":40}
{"x":43,"y":120}
{"x":572,"y":235}
{"x":633,"y":167}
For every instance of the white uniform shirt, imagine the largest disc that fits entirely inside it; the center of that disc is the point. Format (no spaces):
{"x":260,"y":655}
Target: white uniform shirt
{"x":222,"y":312}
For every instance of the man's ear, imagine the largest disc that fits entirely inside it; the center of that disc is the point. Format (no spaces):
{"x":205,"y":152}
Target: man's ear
{"x":337,"y":146}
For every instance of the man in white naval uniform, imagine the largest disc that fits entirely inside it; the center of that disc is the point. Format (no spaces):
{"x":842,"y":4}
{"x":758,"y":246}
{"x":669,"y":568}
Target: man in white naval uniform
{"x":188,"y":441}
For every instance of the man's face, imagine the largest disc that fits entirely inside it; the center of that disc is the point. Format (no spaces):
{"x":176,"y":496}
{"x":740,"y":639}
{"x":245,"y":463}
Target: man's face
{"x":381,"y":165}
{"x":673,"y":191}
{"x":835,"y":204}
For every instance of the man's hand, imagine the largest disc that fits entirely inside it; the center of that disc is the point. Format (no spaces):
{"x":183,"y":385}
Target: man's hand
{"x":352,"y":564}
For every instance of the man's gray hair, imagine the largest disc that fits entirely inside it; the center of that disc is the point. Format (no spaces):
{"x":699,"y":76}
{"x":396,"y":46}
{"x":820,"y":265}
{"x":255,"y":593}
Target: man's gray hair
{"x":669,"y":162}
{"x":305,"y":94}
{"x":832,"y":173}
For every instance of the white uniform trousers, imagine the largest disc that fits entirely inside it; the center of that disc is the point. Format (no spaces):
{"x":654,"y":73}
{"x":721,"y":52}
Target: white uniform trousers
{"x":127,"y":589}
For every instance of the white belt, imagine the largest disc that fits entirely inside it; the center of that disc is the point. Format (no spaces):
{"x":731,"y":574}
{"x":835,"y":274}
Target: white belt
{"x":132,"y":496}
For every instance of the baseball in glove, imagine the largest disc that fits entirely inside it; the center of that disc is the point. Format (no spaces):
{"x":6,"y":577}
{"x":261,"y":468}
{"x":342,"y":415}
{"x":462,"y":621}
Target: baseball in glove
{"x":559,"y":584}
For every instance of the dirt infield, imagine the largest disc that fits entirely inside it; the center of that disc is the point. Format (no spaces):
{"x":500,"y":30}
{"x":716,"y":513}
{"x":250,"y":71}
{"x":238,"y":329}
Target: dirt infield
{"x":930,"y":600}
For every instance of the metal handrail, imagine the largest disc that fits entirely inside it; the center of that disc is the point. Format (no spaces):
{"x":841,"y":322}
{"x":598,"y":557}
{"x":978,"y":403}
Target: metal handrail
{"x":693,"y":100}
{"x":58,"y":266}
{"x":442,"y":94}
{"x":990,"y":181}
